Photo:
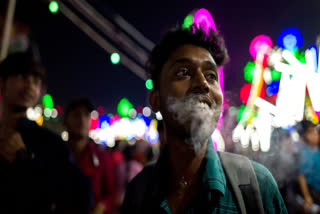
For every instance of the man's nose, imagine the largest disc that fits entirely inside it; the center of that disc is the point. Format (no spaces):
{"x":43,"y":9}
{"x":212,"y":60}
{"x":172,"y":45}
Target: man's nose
{"x":199,"y":83}
{"x":28,"y":82}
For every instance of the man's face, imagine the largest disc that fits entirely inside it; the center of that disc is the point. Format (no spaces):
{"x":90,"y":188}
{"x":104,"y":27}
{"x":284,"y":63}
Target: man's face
{"x":312,"y":136}
{"x":78,"y":122}
{"x":190,"y":94}
{"x":22,"y":91}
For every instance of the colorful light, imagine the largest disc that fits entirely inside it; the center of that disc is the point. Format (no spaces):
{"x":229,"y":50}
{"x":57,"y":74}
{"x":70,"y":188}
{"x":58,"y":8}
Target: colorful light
{"x":39,"y":120}
{"x":187,"y":22}
{"x":47,"y":113}
{"x":149,"y":84}
{"x":275,"y":75}
{"x":249,"y":71}
{"x":100,"y":110}
{"x":290,"y":39}
{"x":124,"y":107}
{"x":261,"y":43}
{"x":115,"y":58}
{"x":240,"y":112}
{"x":133,"y":113}
{"x":59,"y":109}
{"x":54,"y":113}
{"x":53,"y":7}
{"x":273,"y":88}
{"x":146,"y":111}
{"x":245,"y":92}
{"x":47,"y":101}
{"x":313,"y":50}
{"x":203,"y":19}
{"x":94,"y":123}
{"x":104,"y":121}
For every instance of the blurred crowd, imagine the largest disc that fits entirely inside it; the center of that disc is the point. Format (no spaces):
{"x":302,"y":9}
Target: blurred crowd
{"x":294,"y":161}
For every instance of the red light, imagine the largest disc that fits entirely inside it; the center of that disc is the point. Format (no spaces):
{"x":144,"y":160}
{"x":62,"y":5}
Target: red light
{"x":94,"y":123}
{"x":139,"y":109}
{"x":245,"y":92}
{"x":100,"y":110}
{"x":59,"y":109}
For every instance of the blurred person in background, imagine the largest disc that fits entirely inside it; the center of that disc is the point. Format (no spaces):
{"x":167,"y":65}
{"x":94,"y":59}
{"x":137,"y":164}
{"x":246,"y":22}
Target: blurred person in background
{"x":93,"y":161}
{"x":309,"y":164}
{"x":282,"y":162}
{"x":37,"y":171}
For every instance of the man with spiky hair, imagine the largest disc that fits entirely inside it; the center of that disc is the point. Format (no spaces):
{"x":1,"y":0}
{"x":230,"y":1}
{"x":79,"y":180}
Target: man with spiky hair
{"x":190,"y":176}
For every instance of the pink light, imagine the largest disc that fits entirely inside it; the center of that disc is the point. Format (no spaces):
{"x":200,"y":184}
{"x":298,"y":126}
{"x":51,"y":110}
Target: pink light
{"x":221,"y":82}
{"x":261,"y":43}
{"x":203,"y":19}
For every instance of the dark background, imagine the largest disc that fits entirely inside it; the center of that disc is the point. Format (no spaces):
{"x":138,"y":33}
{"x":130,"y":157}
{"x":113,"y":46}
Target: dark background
{"x":78,"y":67}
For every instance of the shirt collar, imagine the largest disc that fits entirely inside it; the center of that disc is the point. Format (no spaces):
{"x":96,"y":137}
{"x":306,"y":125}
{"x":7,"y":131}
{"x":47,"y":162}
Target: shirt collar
{"x":213,"y":177}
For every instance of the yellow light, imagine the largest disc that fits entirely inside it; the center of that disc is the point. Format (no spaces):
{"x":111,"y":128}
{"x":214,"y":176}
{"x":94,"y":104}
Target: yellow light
{"x":39,"y":120}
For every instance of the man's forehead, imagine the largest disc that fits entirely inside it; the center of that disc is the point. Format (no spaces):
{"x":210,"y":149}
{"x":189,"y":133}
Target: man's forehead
{"x":190,"y":53}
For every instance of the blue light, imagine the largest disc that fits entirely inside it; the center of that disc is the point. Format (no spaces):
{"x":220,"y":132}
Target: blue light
{"x":313,"y":50}
{"x":146,"y":120}
{"x":290,"y":39}
{"x":104,"y":121}
{"x":273,"y":88}
{"x":152,"y":136}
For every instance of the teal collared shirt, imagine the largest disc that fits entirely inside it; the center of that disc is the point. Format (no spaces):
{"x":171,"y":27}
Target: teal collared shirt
{"x":214,"y":195}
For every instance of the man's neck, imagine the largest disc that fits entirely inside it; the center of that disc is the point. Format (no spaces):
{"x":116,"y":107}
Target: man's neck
{"x":78,"y":145}
{"x":184,"y":161}
{"x":10,"y":115}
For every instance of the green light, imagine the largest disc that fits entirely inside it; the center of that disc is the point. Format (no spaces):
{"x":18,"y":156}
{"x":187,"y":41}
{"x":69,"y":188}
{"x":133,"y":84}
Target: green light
{"x":124,"y":107}
{"x":47,"y":101}
{"x":240,"y":112}
{"x":275,"y":75}
{"x":149,"y":84}
{"x":302,"y":57}
{"x":187,"y":22}
{"x":115,"y":58}
{"x":53,"y":7}
{"x":249,"y":71}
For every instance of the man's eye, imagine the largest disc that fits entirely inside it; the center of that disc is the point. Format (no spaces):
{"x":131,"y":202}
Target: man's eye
{"x":212,"y":77}
{"x":183,"y":72}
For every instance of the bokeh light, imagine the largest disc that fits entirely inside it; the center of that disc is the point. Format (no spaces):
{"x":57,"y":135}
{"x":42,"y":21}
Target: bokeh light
{"x":146,"y":111}
{"x":261,"y":43}
{"x":188,"y":20}
{"x":203,"y":19}
{"x":47,"y":101}
{"x":249,"y":71}
{"x":290,"y":39}
{"x":124,"y":107}
{"x":53,"y":7}
{"x":149,"y":84}
{"x":273,"y":88}
{"x":115,"y":58}
{"x":245,"y":92}
{"x":275,"y":75}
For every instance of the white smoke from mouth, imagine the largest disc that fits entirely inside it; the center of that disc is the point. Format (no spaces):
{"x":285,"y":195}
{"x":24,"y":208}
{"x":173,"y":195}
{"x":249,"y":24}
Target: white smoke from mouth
{"x":199,"y":118}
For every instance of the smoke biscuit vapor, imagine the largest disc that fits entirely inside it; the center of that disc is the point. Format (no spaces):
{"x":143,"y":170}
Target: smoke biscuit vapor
{"x":196,"y":116}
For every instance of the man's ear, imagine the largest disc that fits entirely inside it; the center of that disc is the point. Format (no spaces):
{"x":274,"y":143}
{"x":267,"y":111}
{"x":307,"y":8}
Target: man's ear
{"x":154,"y":100}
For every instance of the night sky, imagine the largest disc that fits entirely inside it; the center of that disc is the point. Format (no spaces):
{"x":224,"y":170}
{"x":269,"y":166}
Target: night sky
{"x":78,"y":67}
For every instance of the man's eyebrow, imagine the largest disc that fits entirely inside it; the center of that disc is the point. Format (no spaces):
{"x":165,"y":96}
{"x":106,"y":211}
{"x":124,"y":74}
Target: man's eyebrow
{"x":210,"y":65}
{"x":181,"y":61}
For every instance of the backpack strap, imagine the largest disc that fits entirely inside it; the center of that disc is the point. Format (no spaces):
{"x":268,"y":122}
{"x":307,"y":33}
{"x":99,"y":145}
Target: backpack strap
{"x":240,"y":174}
